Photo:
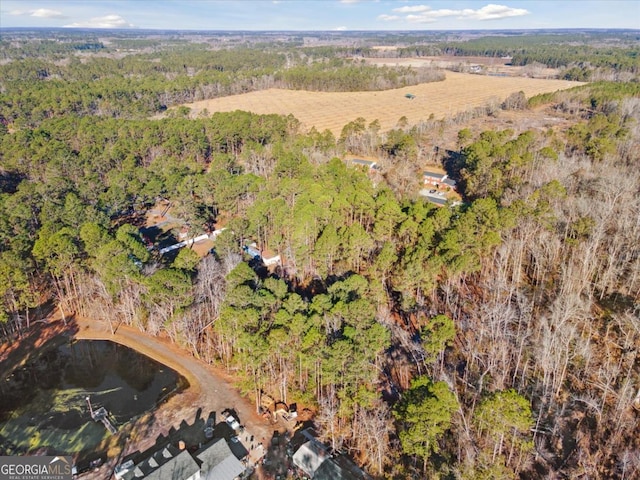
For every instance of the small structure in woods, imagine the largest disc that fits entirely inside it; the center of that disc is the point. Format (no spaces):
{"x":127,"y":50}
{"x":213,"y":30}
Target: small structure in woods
{"x":252,"y":251}
{"x":318,"y":462}
{"x":369,"y":164}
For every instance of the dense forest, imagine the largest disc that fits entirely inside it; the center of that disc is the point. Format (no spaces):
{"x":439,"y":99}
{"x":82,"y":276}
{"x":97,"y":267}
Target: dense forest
{"x":497,"y":338}
{"x":581,"y":55}
{"x":110,"y":83}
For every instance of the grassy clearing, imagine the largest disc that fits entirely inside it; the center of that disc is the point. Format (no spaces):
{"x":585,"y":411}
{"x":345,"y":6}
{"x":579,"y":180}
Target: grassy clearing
{"x":458,"y":93}
{"x":29,"y":434}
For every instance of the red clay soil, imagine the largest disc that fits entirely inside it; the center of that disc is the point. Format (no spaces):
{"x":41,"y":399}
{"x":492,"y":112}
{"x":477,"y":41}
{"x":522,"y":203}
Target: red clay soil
{"x":18,"y":350}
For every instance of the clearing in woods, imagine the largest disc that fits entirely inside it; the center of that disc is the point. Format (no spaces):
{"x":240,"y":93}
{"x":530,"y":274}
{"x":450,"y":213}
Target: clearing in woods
{"x":459,"y":92}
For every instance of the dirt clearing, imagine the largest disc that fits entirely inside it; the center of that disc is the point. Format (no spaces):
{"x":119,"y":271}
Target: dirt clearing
{"x":488,"y":65}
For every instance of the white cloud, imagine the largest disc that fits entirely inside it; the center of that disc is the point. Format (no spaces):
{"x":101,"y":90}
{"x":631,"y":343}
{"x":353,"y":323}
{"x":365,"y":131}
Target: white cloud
{"x":40,"y":12}
{"x":349,"y":1}
{"x":493,"y":12}
{"x":46,"y":13}
{"x":425,"y":14}
{"x":420,"y":18}
{"x":417,"y":8}
{"x":108,"y":21}
{"x":388,"y":18}
{"x":340,"y":29}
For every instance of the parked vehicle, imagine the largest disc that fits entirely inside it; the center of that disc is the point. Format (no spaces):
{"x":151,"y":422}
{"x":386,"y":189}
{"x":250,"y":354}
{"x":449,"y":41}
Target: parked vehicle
{"x":232,"y":422}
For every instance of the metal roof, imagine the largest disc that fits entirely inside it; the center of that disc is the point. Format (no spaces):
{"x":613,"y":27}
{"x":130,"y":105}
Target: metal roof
{"x":429,"y":173}
{"x":310,"y":456}
{"x":359,"y":161}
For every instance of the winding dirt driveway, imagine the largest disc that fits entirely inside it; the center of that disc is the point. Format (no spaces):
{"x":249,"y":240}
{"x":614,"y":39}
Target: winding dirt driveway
{"x":210,"y":389}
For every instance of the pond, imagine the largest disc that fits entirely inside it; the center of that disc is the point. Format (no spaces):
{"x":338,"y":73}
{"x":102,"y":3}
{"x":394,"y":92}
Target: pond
{"x":43,"y":403}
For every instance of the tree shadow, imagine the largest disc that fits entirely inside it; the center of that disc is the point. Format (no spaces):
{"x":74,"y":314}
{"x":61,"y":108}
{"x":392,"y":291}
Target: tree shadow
{"x":151,"y":234}
{"x":453,"y":163}
{"x":41,"y":338}
{"x":9,"y":181}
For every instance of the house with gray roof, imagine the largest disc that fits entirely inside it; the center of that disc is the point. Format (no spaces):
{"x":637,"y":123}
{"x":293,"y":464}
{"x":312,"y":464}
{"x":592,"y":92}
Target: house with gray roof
{"x":318,"y":462}
{"x":310,"y":456}
{"x":339,"y":468}
{"x":369,"y":164}
{"x":218,"y":462}
{"x":215,"y":461}
{"x":438,"y":179}
{"x":182,"y":466}
{"x":166,"y":464}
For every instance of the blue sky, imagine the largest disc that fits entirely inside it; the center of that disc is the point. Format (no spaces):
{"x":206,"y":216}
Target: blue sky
{"x":321,"y":14}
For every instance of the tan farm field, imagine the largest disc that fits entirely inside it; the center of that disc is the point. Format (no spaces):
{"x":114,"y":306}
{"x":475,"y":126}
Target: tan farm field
{"x":459,"y":92}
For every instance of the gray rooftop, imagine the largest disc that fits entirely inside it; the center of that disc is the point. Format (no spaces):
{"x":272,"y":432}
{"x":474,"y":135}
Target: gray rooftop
{"x":181,"y":467}
{"x":450,"y":182}
{"x":310,"y":456}
{"x":331,"y":470}
{"x":360,"y":161}
{"x":431,"y":173}
{"x":218,"y":462}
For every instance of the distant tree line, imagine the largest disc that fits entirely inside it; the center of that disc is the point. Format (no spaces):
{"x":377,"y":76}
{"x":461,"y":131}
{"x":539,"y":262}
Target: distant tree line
{"x":555,"y":51}
{"x":341,"y":76}
{"x":143,"y":84}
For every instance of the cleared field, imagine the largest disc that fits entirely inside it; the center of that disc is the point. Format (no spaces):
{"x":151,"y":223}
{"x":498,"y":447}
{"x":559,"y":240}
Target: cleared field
{"x":459,"y":92}
{"x":489,"y":65}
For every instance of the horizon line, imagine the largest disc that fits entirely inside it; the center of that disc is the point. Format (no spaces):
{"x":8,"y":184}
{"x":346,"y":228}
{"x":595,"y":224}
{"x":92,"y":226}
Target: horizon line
{"x":337,"y":31}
